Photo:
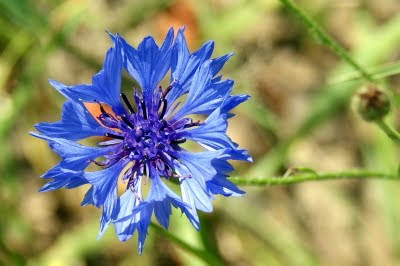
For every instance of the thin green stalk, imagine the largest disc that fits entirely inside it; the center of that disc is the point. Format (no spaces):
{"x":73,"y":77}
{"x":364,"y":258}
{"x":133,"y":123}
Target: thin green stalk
{"x":377,"y":72}
{"x":332,"y":100}
{"x":389,"y":131}
{"x":325,"y":38}
{"x":207,"y":237}
{"x":203,"y":255}
{"x":299,"y":178}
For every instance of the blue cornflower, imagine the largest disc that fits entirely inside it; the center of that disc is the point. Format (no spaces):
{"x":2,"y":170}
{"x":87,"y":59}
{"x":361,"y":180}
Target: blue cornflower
{"x":145,"y":131}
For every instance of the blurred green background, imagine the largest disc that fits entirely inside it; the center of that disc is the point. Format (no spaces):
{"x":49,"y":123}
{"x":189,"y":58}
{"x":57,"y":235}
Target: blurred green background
{"x":299,"y":116}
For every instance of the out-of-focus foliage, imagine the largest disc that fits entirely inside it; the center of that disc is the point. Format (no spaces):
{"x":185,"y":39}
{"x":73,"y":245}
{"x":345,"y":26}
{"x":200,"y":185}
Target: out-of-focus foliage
{"x":299,"y":115}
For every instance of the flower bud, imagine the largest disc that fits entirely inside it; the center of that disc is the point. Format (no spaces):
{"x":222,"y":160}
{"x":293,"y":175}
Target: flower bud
{"x":372,"y":103}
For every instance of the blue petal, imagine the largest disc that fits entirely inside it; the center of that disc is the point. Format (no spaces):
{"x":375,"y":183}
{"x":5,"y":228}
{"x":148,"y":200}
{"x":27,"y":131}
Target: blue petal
{"x":219,"y":62}
{"x":206,"y":94}
{"x":145,"y":218}
{"x":88,"y":198}
{"x":76,"y":123}
{"x":196,"y":170}
{"x":201,"y":80}
{"x":234,"y":154}
{"x":232,"y":102}
{"x":203,"y":166}
{"x":125,"y":229}
{"x":207,"y":170}
{"x":104,"y":182}
{"x":63,"y":178}
{"x":180,"y":56}
{"x":212,"y":134}
{"x":195,"y":195}
{"x":61,"y":173}
{"x":221,"y":185}
{"x":222,"y":166}
{"x":110,"y":210}
{"x":59,"y":183}
{"x":149,"y":63}
{"x":210,"y":99}
{"x":184,"y":64}
{"x":105,"y":86}
{"x":160,"y":198}
{"x":134,"y":215}
{"x":200,"y":164}
{"x":74,"y":156}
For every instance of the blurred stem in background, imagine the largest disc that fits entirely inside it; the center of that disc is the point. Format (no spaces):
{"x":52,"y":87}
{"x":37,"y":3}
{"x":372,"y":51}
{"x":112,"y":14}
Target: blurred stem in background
{"x":389,"y":131}
{"x":205,"y":255}
{"x":303,"y":177}
{"x":325,"y":39}
{"x":332,"y":100}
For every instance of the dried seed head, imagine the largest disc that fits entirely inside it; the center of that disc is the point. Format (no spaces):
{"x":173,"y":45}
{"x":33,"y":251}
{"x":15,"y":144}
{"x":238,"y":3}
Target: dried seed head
{"x":372,"y":103}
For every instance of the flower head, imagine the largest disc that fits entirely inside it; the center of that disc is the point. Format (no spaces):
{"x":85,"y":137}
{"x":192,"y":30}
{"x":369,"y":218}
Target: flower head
{"x":144,"y":131}
{"x":372,"y":103}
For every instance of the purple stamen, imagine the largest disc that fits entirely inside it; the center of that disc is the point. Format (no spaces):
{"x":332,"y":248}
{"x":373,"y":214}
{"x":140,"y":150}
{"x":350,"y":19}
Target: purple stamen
{"x":147,"y":139}
{"x":192,"y":124}
{"x":143,"y":104}
{"x":178,"y":141}
{"x":108,"y":120}
{"x":101,"y":107}
{"x":113,"y":136}
{"x":167,"y":90}
{"x":126,"y":120}
{"x":98,"y":163}
{"x":128,"y":104}
{"x":164,"y":108}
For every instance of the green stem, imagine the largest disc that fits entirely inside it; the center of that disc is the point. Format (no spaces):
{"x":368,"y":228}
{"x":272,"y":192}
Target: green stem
{"x":389,"y":131}
{"x":377,"y":72}
{"x":325,"y":38}
{"x":299,"y":178}
{"x":206,"y":257}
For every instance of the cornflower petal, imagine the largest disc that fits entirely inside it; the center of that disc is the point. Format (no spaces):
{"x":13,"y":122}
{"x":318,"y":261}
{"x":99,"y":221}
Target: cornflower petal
{"x":74,"y":156}
{"x":219,"y":184}
{"x":125,"y":229}
{"x":105,"y":86}
{"x":161,"y":198}
{"x":207,"y":94}
{"x":211,"y":134}
{"x":76,"y":123}
{"x":184,"y":64}
{"x":104,"y":182}
{"x":149,"y":63}
{"x":110,"y":210}
{"x":64,"y":178}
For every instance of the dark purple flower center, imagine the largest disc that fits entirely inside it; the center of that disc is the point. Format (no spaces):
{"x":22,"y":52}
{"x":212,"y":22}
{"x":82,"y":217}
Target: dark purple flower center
{"x":144,"y":136}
